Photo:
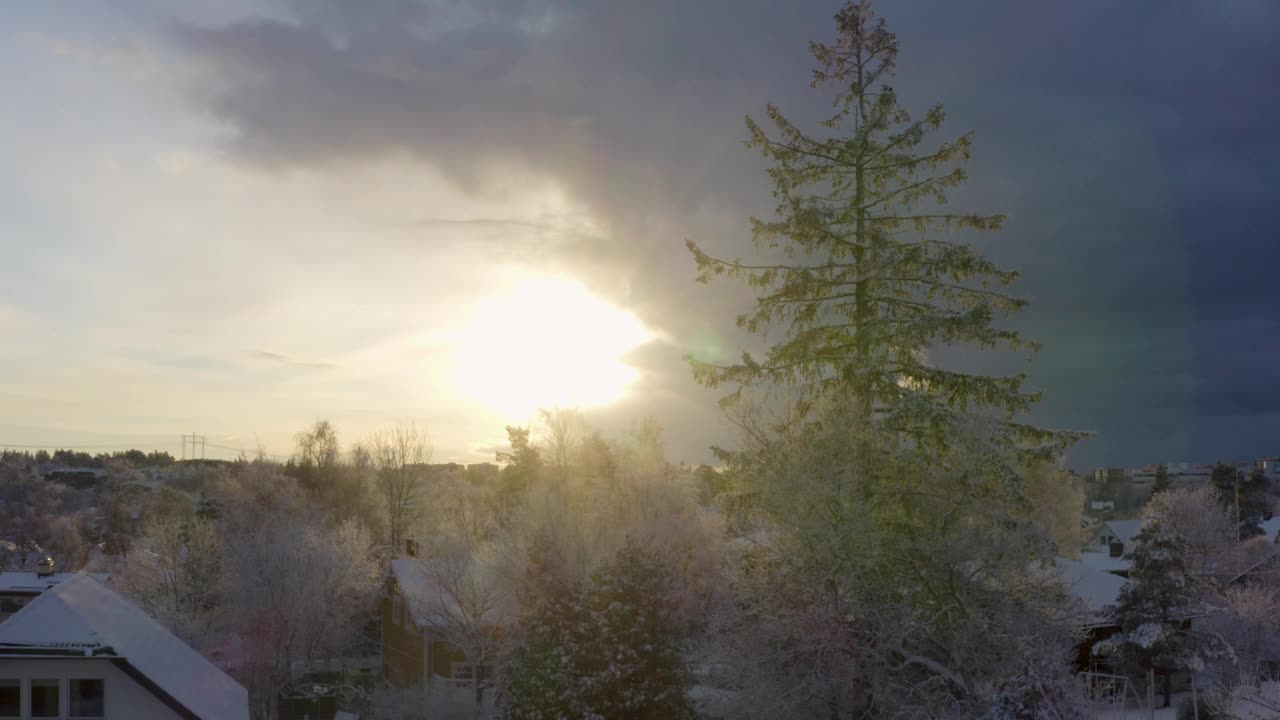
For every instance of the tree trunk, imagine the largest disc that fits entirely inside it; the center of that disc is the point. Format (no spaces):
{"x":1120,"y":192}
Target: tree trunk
{"x":1168,"y":688}
{"x":862,"y":302}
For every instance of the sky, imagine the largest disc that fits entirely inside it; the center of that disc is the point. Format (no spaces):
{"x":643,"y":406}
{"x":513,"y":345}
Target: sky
{"x":233,"y":218}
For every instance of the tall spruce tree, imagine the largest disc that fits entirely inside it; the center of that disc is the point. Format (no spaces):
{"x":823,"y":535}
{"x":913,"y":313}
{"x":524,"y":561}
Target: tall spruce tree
{"x":1162,"y":481}
{"x":873,"y":270}
{"x":608,"y":649}
{"x":1155,"y":608}
{"x":538,"y":679}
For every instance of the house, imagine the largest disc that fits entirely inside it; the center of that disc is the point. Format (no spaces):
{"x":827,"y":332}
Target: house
{"x":18,"y":588}
{"x":1097,"y":590}
{"x":415,"y":648}
{"x":1112,"y":532}
{"x":1107,"y":547}
{"x":80,"y":650}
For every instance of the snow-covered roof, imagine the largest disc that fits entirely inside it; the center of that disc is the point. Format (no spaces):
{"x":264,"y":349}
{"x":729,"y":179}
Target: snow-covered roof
{"x":1270,"y":527}
{"x":28,"y":582}
{"x":81,"y":612}
{"x":423,"y":596}
{"x":1096,"y":588}
{"x":1124,"y":530}
{"x":1105,"y":562}
{"x":428,"y":603}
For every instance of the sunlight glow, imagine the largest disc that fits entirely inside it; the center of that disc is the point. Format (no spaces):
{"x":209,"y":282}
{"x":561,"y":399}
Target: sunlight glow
{"x":549,"y":342}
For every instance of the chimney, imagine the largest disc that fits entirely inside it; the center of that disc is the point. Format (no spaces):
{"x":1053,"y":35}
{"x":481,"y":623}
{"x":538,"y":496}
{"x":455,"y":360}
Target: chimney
{"x":44,"y":568}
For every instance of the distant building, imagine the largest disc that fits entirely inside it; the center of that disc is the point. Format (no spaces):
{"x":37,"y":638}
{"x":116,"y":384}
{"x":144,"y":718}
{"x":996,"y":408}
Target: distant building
{"x":80,"y":650}
{"x":1103,"y":476}
{"x":447,"y":471}
{"x":1270,"y":466}
{"x":1182,"y":476}
{"x":482,"y":472}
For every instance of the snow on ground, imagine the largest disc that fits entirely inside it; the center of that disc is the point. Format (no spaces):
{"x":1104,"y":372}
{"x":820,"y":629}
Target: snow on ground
{"x":1245,"y":707}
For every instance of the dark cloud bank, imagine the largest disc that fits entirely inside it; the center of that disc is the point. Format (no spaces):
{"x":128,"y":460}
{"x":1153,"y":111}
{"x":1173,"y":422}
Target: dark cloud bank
{"x":1132,"y":144}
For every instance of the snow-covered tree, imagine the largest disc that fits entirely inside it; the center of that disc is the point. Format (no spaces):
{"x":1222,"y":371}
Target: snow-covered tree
{"x":175,"y":573}
{"x":633,"y":666}
{"x":537,"y":680}
{"x":890,"y":580}
{"x":611,"y":649}
{"x":298,"y":592}
{"x":1249,"y":622}
{"x":1156,"y":608}
{"x":1199,"y":518}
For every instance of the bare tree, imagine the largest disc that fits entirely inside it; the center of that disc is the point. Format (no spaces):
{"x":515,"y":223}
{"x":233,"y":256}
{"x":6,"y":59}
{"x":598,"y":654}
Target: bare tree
{"x":318,"y":447}
{"x":400,"y":455}
{"x":468,"y":600}
{"x":562,"y":432}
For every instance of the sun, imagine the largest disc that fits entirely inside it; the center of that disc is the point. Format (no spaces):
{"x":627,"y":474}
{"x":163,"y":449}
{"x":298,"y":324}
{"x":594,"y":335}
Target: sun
{"x":546,"y":343}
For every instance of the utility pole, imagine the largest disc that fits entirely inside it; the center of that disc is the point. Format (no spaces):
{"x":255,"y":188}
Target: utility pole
{"x":1237,"y":507}
{"x":193,"y":438}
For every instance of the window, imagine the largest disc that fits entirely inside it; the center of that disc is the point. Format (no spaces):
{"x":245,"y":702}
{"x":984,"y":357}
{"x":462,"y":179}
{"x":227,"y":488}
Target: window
{"x":10,"y":699}
{"x":88,"y":699}
{"x":44,"y":698}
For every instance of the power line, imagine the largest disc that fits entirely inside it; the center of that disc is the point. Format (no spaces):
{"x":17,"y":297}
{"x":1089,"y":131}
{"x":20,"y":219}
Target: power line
{"x":117,"y":446}
{"x":247,"y":453}
{"x":56,"y":446}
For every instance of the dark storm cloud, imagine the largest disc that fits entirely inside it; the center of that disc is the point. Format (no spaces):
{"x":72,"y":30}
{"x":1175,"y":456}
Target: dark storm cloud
{"x":1131,"y":143}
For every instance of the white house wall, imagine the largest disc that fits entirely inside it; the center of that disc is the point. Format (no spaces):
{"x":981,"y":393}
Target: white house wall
{"x":125,"y":699}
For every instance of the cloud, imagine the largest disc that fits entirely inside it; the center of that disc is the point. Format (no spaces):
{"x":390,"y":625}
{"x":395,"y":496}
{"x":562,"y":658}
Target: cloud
{"x":285,"y":360}
{"x":1137,"y":165}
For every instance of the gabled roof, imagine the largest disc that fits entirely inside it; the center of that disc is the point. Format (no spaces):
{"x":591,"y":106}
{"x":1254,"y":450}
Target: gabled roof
{"x":425,"y":600}
{"x":429,"y":604}
{"x":1123,"y":530}
{"x":81,"y":612}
